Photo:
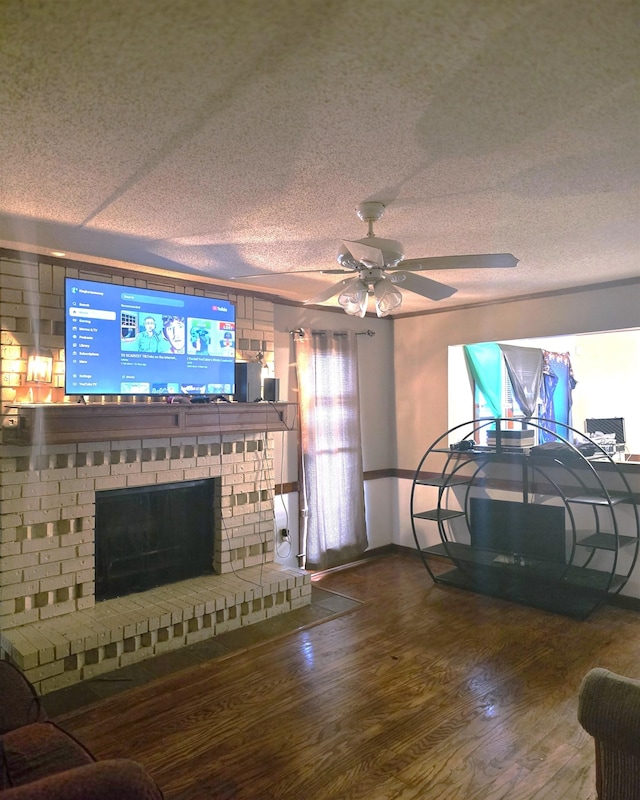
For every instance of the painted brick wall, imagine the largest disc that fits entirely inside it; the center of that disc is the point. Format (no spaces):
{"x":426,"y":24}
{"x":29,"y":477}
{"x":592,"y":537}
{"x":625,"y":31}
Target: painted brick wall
{"x":47,"y":493}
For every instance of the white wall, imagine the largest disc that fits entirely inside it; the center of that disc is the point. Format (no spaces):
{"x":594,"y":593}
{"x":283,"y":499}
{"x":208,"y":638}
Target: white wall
{"x":607,"y":368}
{"x":377,"y":406}
{"x":422,"y":349}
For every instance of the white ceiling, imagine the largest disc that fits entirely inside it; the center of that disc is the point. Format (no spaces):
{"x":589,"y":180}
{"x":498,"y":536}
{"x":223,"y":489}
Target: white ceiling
{"x":228,"y":138}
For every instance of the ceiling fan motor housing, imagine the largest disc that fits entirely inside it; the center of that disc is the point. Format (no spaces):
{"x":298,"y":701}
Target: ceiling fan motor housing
{"x":371,"y":251}
{"x":371,"y":275}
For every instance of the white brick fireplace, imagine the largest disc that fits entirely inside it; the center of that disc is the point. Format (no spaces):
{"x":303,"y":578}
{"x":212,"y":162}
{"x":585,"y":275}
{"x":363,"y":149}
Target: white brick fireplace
{"x":50,"y":624}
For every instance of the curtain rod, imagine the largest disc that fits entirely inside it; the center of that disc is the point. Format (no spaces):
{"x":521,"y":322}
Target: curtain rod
{"x":301,"y":333}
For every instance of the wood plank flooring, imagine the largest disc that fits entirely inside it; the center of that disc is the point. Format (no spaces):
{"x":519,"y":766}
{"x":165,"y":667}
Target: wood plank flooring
{"x":421,"y":692}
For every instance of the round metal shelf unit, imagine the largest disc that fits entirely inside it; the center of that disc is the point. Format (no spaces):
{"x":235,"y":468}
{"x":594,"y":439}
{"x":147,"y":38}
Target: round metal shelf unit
{"x":540,"y":516}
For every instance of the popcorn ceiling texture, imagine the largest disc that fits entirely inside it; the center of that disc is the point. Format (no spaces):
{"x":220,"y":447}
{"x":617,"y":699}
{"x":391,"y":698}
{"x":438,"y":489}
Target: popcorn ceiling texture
{"x":178,"y":136}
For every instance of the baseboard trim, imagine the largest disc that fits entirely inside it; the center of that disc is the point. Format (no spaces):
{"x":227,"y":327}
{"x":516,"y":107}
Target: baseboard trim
{"x":624,"y":601}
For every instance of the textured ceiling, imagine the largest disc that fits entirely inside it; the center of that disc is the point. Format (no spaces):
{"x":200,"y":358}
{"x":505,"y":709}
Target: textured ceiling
{"x":225,"y":139}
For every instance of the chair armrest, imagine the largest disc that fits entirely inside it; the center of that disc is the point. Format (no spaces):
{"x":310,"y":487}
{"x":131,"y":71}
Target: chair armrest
{"x":104,"y":780}
{"x":609,"y":709}
{"x":19,"y":703}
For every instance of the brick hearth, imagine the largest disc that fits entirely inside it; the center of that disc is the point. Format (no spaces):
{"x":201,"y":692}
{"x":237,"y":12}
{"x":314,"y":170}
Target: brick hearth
{"x":50,"y":624}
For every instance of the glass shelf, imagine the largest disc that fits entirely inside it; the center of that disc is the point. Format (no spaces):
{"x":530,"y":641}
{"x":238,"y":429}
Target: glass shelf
{"x":444,"y":480}
{"x":439,"y":514}
{"x":603,"y":541}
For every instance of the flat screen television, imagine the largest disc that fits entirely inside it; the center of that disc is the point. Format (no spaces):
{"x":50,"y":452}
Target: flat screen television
{"x":121,"y":340}
{"x":535,"y":532}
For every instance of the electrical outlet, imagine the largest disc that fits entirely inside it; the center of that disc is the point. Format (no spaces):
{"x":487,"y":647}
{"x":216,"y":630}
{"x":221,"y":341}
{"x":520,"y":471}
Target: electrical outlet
{"x":284,"y":533}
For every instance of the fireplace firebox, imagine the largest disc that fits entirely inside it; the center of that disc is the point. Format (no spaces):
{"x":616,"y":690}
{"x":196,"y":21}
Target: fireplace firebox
{"x":151,"y":535}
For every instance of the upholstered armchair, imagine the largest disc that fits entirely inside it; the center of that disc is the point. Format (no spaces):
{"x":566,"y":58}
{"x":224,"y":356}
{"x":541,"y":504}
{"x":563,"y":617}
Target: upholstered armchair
{"x":609,"y":709}
{"x":41,"y":761}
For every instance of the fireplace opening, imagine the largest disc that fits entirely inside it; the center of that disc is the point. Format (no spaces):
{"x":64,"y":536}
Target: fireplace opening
{"x":147,"y":536}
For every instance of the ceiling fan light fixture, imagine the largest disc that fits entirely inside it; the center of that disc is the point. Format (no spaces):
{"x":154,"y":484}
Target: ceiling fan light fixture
{"x":353,"y":298}
{"x":387,"y":297}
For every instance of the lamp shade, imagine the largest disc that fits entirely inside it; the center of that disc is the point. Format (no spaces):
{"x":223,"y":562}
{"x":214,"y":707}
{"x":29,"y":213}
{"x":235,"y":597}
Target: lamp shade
{"x":387,"y":297}
{"x":354,"y":297}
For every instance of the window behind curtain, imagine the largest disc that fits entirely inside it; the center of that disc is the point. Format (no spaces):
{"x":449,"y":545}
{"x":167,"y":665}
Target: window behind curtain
{"x":332,"y":489}
{"x":509,"y":407}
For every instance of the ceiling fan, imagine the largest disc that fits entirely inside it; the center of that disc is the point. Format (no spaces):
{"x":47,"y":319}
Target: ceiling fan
{"x":378,"y":267}
{"x":381,"y":267}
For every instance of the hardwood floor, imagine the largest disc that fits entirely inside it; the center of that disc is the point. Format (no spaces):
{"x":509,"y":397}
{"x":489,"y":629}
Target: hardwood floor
{"x":421,"y":692}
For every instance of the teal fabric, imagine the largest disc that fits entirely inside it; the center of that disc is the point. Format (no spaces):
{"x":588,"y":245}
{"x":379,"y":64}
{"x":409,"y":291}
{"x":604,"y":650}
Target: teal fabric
{"x":484,"y":361}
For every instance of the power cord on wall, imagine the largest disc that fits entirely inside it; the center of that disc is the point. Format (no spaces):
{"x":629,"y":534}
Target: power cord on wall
{"x":285,"y":536}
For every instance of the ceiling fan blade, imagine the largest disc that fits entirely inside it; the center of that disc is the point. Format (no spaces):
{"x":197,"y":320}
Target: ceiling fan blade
{"x":481,"y":261}
{"x":422,"y":286}
{"x":370,"y":256}
{"x":329,"y":292}
{"x":292,"y":272}
{"x":339,"y":271}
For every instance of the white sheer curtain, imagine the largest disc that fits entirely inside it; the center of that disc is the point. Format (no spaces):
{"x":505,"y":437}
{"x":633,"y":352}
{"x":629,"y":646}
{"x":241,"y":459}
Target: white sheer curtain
{"x":332,"y":488}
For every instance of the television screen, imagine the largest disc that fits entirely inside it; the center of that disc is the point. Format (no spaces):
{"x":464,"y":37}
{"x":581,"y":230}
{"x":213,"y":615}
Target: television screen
{"x":525,"y":529}
{"x":121,"y":340}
